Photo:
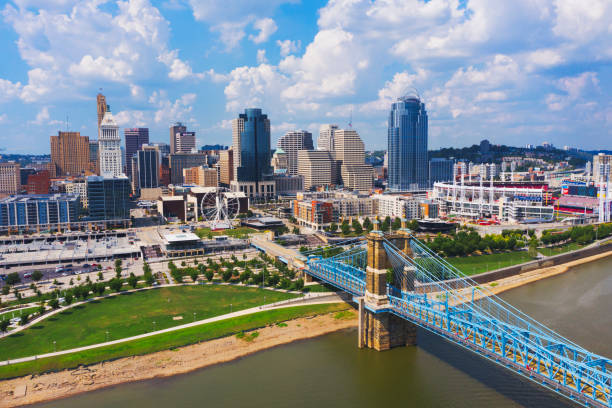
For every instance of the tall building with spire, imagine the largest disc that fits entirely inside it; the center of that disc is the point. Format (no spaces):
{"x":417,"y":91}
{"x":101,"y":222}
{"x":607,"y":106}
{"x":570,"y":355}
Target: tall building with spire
{"x":110,"y":147}
{"x":102,"y":108}
{"x":407,"y":145}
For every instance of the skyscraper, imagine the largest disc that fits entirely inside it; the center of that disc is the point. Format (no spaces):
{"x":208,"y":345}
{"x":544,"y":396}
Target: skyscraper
{"x":350,"y":154}
{"x":94,"y":164}
{"x":226,"y":166}
{"x":440,"y":169}
{"x":326,"y":137}
{"x":291,"y":142}
{"x":102,"y":108}
{"x":69,"y":154}
{"x":134,"y":139}
{"x":9,"y":178}
{"x":146,"y":171}
{"x":252,"y":154}
{"x":407,"y":145}
{"x":181,"y":141}
{"x":110,"y":147}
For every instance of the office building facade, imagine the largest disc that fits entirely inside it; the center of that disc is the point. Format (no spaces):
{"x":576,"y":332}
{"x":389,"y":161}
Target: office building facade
{"x":440,"y":169}
{"x":226,"y":166}
{"x":350,"y":154}
{"x":180,"y":161}
{"x":134,"y":139}
{"x":292,"y":142}
{"x":111,"y":158}
{"x":108,"y":197}
{"x":252,"y":154}
{"x":326,"y":137}
{"x":39,"y":210}
{"x":69,"y":154}
{"x":407,"y":145}
{"x":201,"y":176}
{"x":10,"y":182}
{"x":318,"y":168}
{"x":39,"y":182}
{"x":146,"y":172}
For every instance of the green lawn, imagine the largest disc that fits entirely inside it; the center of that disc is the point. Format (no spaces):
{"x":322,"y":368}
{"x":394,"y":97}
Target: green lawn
{"x":234,"y":232}
{"x":132,"y":314}
{"x":171,"y":340}
{"x":471,"y":265}
{"x":17,"y":313}
{"x":559,"y":249}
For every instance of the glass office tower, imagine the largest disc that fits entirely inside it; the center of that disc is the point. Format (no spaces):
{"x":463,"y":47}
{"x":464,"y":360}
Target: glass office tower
{"x":254,"y":147}
{"x":407,"y":145}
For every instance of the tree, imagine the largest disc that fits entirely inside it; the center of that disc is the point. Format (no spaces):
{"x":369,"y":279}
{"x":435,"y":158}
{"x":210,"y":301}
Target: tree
{"x":209,"y":275}
{"x":357,"y":227}
{"x":54,"y":303}
{"x":345,"y":229}
{"x":12,"y":278}
{"x":68,"y":298}
{"x":227,"y":275}
{"x":194,"y":275}
{"x":533,"y":248}
{"x":133,"y":280}
{"x":367,"y":224}
{"x":333,"y":227}
{"x":37,"y":275}
{"x":116,"y":284}
{"x":295,"y":231}
{"x":4,"y":324}
{"x":6,"y":289}
{"x":100,"y":276}
{"x":99,"y":288}
{"x":24,"y":319}
{"x":386,"y":224}
{"x":397,"y":224}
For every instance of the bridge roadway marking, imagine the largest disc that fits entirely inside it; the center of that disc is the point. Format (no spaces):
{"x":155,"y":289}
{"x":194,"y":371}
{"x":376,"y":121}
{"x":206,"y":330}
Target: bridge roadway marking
{"x":311,"y":299}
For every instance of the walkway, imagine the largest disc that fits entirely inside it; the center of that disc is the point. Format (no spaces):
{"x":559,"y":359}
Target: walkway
{"x":309,"y":299}
{"x":291,"y":256}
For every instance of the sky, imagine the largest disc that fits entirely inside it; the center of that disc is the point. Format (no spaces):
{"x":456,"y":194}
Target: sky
{"x":512,"y":72}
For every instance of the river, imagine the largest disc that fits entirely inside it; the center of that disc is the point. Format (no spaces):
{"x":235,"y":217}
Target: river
{"x":331,"y":371}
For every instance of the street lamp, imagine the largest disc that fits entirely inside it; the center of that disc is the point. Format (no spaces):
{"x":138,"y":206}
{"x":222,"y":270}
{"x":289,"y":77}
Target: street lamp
{"x":153,"y":325}
{"x":194,"y":313}
{"x":54,"y":346}
{"x":107,"y":336}
{"x":230,"y":308}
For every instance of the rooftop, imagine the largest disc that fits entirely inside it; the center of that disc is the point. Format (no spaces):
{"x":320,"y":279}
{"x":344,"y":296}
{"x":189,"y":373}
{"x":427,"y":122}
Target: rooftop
{"x":22,"y":198}
{"x":181,"y":237}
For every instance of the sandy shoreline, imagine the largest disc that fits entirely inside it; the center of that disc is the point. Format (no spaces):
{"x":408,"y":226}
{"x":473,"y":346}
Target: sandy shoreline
{"x":67,"y":383}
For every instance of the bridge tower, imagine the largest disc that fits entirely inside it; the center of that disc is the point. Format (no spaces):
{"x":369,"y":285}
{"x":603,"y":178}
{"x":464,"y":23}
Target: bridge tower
{"x":379,"y":329}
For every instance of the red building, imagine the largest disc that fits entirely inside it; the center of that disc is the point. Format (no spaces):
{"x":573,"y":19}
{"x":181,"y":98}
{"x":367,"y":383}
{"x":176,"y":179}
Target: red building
{"x":39,"y":182}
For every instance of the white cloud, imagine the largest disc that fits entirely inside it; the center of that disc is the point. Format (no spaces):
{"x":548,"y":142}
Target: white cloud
{"x":266,"y":27}
{"x":288,"y":47}
{"x":3,"y":118}
{"x":230,"y":33}
{"x":501,"y":69}
{"x":41,"y":117}
{"x":491,"y":96}
{"x":136,"y":91}
{"x":9,"y":90}
{"x":400,"y":85}
{"x":261,"y":56}
{"x":168,"y":111}
{"x":574,"y":88}
{"x":132,"y":118}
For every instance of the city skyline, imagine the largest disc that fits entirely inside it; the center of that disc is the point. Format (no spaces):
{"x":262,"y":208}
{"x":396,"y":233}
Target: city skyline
{"x":307,"y":64}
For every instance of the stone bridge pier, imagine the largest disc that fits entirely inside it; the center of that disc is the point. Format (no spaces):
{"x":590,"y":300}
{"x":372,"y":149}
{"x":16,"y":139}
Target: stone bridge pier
{"x":378,"y":329}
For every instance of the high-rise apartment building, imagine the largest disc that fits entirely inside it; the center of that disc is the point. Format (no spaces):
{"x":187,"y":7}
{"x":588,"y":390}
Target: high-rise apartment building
{"x":291,"y":142}
{"x":599,"y":161}
{"x":10,"y":182}
{"x":42,"y":211}
{"x":110,"y":147}
{"x":226,"y":166}
{"x":350,"y":154}
{"x":69,"y":154}
{"x":326,"y":137}
{"x":102,"y":108}
{"x":134,"y":139}
{"x":180,"y":161}
{"x":407,"y":145}
{"x":251,"y":138}
{"x":181,"y":141}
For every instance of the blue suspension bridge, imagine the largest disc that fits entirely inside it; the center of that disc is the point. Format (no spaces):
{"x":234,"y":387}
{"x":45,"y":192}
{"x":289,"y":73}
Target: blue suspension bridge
{"x":399,"y":284}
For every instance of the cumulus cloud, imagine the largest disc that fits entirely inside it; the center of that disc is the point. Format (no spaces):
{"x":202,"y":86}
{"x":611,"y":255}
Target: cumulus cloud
{"x":168,"y":111}
{"x":261,"y":57}
{"x":574,"y":88}
{"x":288,"y":47}
{"x":266,"y":27}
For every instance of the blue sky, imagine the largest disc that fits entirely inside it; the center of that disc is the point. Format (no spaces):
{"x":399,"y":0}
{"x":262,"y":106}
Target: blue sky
{"x":514,"y":72}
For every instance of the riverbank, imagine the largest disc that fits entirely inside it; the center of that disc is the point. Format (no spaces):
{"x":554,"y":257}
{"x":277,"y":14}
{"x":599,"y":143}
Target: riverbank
{"x":525,"y":278}
{"x":66,"y":383}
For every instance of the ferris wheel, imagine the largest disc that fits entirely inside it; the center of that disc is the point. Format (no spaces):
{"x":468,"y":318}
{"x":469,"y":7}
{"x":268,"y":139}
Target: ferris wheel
{"x":219,"y":208}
